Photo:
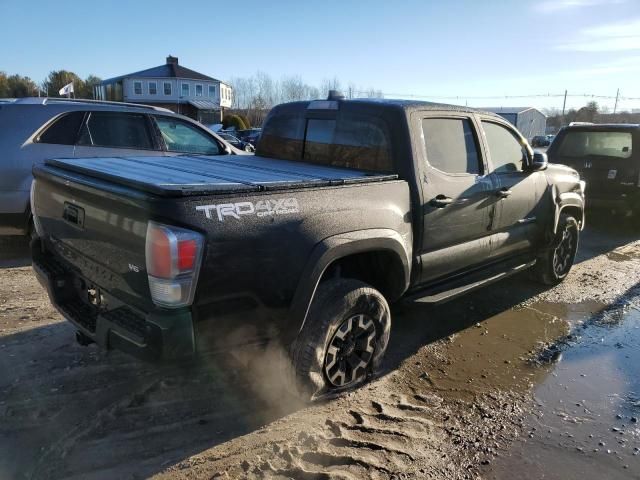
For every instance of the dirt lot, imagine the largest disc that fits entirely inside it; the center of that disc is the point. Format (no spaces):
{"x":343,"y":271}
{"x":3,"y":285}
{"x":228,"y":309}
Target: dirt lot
{"x":511,"y":381}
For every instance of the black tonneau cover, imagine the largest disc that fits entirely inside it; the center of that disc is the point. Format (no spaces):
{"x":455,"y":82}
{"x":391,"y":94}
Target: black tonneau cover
{"x":195,"y":175}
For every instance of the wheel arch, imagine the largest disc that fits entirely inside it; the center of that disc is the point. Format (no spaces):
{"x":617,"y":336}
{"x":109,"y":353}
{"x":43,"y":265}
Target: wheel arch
{"x":571,"y":203}
{"x":364,"y":255}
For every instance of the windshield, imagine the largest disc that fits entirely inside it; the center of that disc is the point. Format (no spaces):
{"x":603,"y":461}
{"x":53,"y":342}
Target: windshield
{"x":596,"y":143}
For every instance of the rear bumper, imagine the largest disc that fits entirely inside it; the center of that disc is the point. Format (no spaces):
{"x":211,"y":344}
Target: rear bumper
{"x":151,"y":336}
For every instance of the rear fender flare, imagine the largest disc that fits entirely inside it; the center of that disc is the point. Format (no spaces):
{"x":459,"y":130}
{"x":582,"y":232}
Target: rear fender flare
{"x":339,"y":246}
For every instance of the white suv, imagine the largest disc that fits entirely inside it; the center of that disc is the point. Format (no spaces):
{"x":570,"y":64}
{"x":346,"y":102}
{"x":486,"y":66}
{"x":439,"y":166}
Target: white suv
{"x":35,"y":129}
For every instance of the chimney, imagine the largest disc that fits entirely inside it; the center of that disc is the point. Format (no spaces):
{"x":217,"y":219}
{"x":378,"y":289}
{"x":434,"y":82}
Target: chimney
{"x":172,"y":60}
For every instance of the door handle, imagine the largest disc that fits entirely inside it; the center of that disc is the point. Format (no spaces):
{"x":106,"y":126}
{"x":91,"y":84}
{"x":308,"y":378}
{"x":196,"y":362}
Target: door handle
{"x":441,"y":201}
{"x":503,"y":192}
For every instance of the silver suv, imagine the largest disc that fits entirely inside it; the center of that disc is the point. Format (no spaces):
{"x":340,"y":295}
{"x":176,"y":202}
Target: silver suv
{"x":35,"y":129}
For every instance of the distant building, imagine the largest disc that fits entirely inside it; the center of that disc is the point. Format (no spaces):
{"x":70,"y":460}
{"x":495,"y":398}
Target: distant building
{"x":530,"y":121}
{"x":171,"y":86}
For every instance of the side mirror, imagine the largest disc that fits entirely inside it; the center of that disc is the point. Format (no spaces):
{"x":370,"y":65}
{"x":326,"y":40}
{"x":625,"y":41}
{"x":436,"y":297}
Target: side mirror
{"x":540,"y":161}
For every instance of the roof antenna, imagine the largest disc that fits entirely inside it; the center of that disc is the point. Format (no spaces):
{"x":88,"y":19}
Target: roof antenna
{"x":335,"y":95}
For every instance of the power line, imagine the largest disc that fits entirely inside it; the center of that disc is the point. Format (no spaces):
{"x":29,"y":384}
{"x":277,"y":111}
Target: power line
{"x":498,"y":97}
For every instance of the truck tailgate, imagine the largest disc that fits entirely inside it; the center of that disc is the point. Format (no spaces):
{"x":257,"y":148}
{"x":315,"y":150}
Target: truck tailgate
{"x":100,"y":231}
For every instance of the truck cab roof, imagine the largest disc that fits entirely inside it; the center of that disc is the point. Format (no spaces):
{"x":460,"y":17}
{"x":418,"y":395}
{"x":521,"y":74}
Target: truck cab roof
{"x":382,"y":104}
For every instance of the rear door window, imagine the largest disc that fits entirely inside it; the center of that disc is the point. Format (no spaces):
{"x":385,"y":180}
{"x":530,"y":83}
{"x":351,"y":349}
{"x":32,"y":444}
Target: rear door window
{"x":64,"y":130}
{"x":507,"y":153}
{"x":600,"y":144}
{"x":451,"y":145}
{"x":117,"y":130}
{"x":181,"y":137}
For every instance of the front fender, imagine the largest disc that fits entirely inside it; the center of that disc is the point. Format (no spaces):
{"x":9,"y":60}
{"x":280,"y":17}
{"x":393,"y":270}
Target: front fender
{"x":339,"y":246}
{"x":568,"y":200}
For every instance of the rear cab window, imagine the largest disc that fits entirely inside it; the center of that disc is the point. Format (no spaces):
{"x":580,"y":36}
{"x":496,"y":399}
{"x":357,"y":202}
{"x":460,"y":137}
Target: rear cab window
{"x":602,"y":143}
{"x":338,"y":138}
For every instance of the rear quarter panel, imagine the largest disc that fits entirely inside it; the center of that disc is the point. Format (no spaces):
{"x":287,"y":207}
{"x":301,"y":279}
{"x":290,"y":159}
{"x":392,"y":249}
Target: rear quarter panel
{"x":254,"y":263}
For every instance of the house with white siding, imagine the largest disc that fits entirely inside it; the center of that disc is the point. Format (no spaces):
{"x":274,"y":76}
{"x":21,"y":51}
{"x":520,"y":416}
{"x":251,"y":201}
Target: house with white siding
{"x":171,"y":86}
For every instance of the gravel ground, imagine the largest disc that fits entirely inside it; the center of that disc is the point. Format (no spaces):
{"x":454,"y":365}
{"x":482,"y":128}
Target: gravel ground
{"x":454,"y":401}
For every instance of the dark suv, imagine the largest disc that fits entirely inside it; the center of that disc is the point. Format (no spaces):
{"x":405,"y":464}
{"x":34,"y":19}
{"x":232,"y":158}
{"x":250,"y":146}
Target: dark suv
{"x":607,"y":157}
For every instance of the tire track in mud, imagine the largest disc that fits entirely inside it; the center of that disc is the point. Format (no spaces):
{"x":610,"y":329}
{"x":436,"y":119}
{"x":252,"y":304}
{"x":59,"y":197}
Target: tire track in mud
{"x":368,"y":439}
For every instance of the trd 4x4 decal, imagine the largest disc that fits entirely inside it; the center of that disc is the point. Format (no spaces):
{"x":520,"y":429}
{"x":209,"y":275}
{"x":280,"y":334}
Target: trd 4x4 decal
{"x":261,"y":208}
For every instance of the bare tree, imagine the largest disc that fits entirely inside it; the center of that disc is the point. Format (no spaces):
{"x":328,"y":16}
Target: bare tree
{"x":329,"y":84}
{"x":255,"y":95}
{"x":293,"y":89}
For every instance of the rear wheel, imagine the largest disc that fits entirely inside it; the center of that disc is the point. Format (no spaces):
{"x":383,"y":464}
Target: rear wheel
{"x":554,"y":264}
{"x":344,"y":337}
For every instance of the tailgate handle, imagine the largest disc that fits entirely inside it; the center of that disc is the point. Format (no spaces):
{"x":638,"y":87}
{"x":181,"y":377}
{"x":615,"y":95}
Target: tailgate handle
{"x":73,"y":214}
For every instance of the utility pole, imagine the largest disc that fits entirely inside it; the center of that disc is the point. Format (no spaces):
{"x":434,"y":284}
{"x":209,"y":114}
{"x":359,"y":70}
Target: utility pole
{"x":564,"y":104}
{"x":615,"y":106}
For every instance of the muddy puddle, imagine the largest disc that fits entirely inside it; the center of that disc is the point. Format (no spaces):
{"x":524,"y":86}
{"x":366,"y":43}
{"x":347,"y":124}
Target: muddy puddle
{"x":584,"y":424}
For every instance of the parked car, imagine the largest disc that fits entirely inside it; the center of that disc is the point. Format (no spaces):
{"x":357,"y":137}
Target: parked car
{"x":236,"y":142}
{"x":251,"y":135}
{"x":33,"y":129}
{"x":542,"y":140}
{"x":608,"y":159}
{"x":348,"y":206}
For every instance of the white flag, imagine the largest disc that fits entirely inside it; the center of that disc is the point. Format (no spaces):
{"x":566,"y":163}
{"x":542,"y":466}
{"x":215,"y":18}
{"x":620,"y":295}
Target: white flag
{"x":66,"y":90}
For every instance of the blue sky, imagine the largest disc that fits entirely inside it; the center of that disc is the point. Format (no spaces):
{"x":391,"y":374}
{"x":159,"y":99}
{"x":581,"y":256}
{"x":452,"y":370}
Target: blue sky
{"x":432,"y":48}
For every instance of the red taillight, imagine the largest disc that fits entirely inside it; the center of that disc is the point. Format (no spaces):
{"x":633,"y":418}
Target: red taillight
{"x":187,"y":252}
{"x":159,"y":258}
{"x":173,"y":260}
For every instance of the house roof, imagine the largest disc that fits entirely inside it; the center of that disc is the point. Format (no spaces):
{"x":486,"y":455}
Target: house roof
{"x":171,"y":69}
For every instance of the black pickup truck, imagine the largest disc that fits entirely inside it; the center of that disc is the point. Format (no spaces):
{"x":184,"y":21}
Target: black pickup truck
{"x":348,"y":205}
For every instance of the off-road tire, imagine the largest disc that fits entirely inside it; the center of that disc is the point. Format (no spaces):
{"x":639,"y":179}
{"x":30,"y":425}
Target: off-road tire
{"x":338,"y":304}
{"x":554,"y":263}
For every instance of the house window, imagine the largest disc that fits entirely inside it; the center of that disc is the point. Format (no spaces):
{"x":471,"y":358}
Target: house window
{"x":137,"y":88}
{"x":212,"y":90}
{"x":185,"y":89}
{"x":167,"y":88}
{"x":198,"y":90}
{"x":153,"y":88}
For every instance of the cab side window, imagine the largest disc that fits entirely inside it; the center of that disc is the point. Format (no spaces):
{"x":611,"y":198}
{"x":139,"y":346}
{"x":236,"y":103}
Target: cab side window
{"x":451,"y":145}
{"x":507,"y":153}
